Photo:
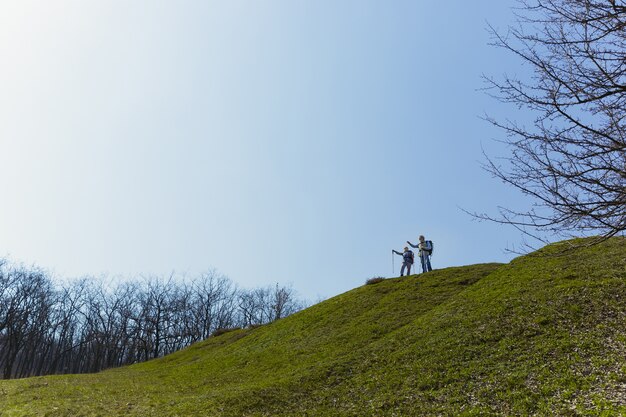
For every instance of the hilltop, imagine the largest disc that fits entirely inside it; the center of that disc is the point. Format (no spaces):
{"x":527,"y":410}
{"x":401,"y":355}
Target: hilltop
{"x":541,"y":335}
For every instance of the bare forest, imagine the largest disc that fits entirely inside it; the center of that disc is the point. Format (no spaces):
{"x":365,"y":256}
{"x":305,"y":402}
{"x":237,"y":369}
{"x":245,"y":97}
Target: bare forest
{"x":88,"y":325}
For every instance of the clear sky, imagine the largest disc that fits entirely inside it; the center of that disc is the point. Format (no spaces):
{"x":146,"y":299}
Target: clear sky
{"x":277,"y":141}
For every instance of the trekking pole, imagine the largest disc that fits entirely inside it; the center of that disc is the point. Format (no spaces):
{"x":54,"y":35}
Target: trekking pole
{"x":393,"y":268}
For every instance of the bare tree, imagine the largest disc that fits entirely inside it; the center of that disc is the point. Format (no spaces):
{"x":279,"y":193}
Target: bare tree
{"x":266,"y":304}
{"x":283,"y":302}
{"x":212,"y":304}
{"x":65,"y":326}
{"x":27,"y":303}
{"x":251,"y":306}
{"x":572,"y":161}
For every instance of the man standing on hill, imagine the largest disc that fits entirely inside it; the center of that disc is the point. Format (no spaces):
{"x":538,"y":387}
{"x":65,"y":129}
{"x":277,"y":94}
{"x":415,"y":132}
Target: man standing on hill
{"x":425,"y":250}
{"x":407,"y":260}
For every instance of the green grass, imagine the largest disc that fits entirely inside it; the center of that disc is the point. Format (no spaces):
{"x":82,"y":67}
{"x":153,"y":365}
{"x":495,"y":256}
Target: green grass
{"x":543,"y":335}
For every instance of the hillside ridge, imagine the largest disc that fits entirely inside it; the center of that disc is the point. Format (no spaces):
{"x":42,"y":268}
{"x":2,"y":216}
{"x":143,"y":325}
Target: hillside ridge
{"x":541,"y":335}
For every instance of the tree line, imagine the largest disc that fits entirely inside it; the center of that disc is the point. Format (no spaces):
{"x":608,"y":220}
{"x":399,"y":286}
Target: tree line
{"x":87,"y":325}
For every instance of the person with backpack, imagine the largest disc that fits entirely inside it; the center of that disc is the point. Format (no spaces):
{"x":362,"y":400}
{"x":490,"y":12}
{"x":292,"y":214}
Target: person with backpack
{"x":425,"y":251}
{"x":407,"y":260}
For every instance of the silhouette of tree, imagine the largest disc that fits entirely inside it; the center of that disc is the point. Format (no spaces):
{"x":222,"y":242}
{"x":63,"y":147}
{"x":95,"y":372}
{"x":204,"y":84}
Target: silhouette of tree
{"x":571,"y":161}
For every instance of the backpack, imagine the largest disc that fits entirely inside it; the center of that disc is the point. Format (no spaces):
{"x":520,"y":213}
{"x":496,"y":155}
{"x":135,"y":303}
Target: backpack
{"x":410,"y":256}
{"x":432,"y":247}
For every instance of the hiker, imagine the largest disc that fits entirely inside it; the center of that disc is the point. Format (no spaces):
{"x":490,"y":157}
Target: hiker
{"x":407,"y":260}
{"x":425,"y":250}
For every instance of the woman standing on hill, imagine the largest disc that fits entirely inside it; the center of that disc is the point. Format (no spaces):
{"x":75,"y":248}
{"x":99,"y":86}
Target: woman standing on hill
{"x":407,"y":260}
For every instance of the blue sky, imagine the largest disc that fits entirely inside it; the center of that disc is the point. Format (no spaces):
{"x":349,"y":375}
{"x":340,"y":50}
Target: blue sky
{"x":277,"y":141}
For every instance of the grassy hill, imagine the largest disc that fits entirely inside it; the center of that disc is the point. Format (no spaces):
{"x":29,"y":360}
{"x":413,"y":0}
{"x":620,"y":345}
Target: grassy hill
{"x":542,"y":335}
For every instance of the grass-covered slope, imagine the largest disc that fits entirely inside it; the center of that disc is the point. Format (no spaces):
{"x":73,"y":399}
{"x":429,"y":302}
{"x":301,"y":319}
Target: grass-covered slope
{"x":542,"y":335}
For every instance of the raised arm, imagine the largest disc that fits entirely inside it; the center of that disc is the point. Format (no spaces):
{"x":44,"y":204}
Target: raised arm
{"x":412,"y":245}
{"x":396,"y":252}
